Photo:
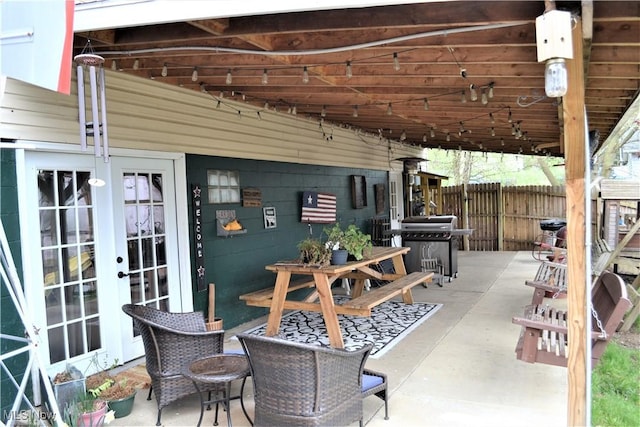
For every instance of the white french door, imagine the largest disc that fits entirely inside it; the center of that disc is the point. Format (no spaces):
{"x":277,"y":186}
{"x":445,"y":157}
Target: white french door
{"x":144,"y":218}
{"x":79,"y":238}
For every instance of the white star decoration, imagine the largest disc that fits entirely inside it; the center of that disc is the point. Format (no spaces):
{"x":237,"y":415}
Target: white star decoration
{"x":310,"y":200}
{"x":196,"y":192}
{"x":201,"y":271}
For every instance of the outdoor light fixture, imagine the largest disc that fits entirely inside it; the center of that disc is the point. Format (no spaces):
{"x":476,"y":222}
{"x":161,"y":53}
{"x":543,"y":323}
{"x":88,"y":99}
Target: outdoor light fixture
{"x":554,"y":45}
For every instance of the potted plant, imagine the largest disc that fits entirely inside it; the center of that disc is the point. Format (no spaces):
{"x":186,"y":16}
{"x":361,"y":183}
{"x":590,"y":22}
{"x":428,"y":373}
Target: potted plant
{"x":335,"y":237}
{"x":116,"y":391}
{"x":356,"y":242}
{"x":314,"y":252}
{"x":86,"y":410}
{"x":67,"y":385}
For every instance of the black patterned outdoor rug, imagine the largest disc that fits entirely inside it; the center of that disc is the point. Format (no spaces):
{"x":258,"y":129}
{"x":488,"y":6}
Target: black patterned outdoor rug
{"x":389,"y":323}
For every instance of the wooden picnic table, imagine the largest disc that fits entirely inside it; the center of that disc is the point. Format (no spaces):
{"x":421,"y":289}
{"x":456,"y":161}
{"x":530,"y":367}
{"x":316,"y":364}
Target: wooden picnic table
{"x":322,"y":278}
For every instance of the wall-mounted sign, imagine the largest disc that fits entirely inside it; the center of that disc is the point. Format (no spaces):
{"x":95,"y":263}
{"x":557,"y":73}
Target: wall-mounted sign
{"x":198,"y":242}
{"x":251,"y":198}
{"x":269,"y":217}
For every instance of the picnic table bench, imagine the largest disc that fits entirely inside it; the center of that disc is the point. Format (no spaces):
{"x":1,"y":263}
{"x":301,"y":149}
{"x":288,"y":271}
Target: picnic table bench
{"x":361,"y":302}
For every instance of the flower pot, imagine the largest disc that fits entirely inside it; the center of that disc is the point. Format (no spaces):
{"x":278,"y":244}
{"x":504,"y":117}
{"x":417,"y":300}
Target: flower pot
{"x":122,"y":407}
{"x":94,"y":418}
{"x":339,"y":256}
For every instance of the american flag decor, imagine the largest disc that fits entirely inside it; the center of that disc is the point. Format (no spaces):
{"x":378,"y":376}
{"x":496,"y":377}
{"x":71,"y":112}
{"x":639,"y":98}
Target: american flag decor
{"x":318,"y":207}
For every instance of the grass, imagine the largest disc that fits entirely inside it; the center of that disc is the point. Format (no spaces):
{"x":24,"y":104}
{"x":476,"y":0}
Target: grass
{"x":616,"y":387}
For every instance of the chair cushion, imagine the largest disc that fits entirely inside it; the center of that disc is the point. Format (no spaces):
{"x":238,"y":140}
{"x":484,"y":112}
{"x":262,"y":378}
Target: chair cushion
{"x":370,"y":381}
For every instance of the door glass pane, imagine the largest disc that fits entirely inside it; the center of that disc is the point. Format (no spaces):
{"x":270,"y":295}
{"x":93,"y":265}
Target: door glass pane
{"x":145,"y":225}
{"x":67,"y":248}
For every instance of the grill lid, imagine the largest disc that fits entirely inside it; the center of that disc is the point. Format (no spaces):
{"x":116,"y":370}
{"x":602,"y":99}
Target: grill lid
{"x":436,"y":222}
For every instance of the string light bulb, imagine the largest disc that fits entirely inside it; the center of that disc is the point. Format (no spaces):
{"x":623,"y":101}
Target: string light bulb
{"x":490,"y":91}
{"x":266,"y":105}
{"x":510,"y":117}
{"x":432,"y":133}
{"x":305,"y":75}
{"x":493,"y":131}
{"x":114,"y":66}
{"x":426,"y":104}
{"x":403,"y":135}
{"x":389,"y":110}
{"x":265,"y":77}
{"x":349,"y":71}
{"x":194,"y":75}
{"x":136,"y":64}
{"x":463,"y":99}
{"x":396,"y":61}
{"x":229,"y":78}
{"x":473,"y":94}
{"x":493,"y":119}
{"x":424,"y":138}
{"x":323,"y":112}
{"x":165,"y":70}
{"x":355,"y":111}
{"x":484,"y":99}
{"x":448,"y":138}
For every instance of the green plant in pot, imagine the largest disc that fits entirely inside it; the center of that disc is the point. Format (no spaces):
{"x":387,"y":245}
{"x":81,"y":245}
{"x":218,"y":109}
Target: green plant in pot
{"x":314,"y":252}
{"x":87,"y":410}
{"x":357,"y":243}
{"x":335,"y":237}
{"x":117,"y":392}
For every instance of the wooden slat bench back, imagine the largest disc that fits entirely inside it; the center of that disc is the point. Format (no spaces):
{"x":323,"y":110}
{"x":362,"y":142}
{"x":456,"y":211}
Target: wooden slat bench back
{"x":543,"y":338}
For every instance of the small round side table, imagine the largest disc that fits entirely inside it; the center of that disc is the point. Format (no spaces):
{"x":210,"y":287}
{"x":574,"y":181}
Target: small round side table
{"x":219,"y":369}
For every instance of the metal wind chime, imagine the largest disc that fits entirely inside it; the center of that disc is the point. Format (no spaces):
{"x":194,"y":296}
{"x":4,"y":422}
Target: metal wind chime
{"x":91,"y":64}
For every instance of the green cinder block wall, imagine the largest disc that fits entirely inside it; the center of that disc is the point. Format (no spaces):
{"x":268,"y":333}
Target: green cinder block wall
{"x":236,"y":264}
{"x":10,"y":322}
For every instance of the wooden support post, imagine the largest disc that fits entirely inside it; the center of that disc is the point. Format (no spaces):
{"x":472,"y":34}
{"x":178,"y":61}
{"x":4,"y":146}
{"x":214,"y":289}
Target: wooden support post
{"x":575,"y":136}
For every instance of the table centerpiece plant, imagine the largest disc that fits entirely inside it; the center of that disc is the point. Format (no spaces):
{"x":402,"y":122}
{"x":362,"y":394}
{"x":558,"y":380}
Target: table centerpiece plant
{"x":351,"y":239}
{"x":357,"y":243}
{"x":314,"y":252}
{"x":335,"y":242}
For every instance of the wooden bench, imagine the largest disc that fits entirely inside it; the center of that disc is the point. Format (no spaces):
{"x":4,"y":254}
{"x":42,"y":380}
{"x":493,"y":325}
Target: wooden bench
{"x":550,"y":279}
{"x":543,"y":338}
{"x":267,"y":293}
{"x":359,"y":306}
{"x":377,"y":296}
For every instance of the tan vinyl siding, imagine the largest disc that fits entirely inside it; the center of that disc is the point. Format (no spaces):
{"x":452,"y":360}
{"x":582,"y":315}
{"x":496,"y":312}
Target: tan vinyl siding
{"x":148,"y":115}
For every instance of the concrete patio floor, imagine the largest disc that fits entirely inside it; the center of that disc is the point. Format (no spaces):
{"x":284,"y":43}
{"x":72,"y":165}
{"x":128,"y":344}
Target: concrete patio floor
{"x":457,"y":369}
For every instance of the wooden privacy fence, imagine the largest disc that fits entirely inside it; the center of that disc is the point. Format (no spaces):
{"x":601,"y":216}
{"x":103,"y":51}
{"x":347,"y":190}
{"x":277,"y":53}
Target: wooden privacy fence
{"x":503,"y":218}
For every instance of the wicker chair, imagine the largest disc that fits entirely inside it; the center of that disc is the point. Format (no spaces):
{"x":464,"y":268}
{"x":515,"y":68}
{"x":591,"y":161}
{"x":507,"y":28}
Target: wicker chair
{"x":306,"y":385}
{"x":171,"y":340}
